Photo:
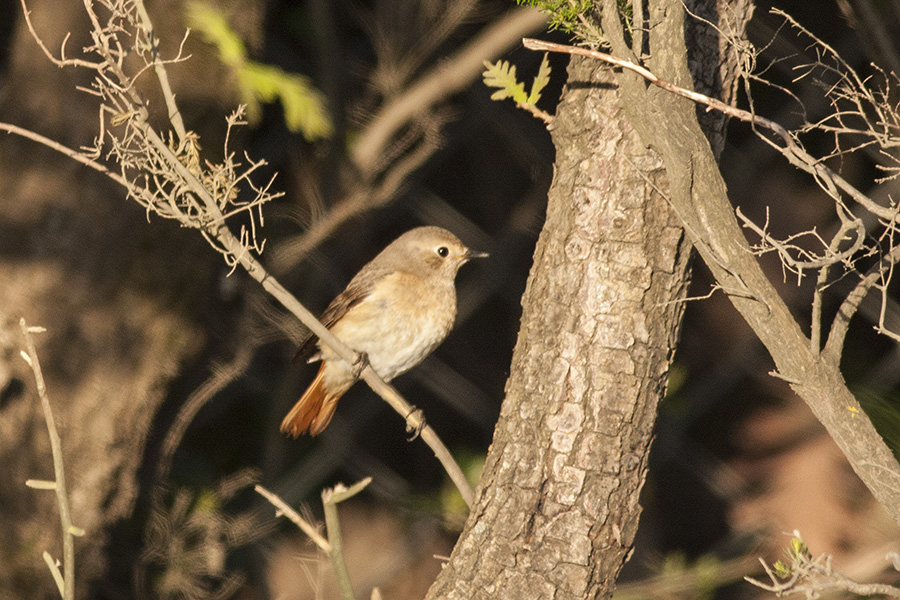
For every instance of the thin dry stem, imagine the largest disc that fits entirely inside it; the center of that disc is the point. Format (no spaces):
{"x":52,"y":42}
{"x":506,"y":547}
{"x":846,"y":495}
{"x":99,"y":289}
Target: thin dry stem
{"x":66,"y":580}
{"x":814,"y":576}
{"x":294,"y":517}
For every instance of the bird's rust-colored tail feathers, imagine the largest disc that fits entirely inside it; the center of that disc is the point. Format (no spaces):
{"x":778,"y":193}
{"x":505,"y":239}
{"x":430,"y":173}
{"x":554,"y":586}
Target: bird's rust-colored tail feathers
{"x":313,"y":410}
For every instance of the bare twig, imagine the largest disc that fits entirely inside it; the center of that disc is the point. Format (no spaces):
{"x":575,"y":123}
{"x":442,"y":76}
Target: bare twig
{"x":794,"y":153}
{"x":330,"y":500}
{"x":161,"y":74}
{"x":536,"y":112}
{"x":62,"y":61}
{"x":66,"y":581}
{"x":832,"y":256}
{"x":880,"y":125}
{"x":294,"y":517}
{"x":810,"y":576}
{"x":333,"y":546}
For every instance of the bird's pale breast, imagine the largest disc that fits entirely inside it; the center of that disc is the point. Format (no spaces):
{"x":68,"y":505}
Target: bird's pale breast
{"x":402,"y":320}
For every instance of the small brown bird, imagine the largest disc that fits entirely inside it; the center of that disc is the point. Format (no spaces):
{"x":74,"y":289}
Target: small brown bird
{"x":395,"y":311}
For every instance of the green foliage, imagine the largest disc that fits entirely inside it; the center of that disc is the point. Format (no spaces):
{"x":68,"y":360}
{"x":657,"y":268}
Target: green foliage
{"x":782,"y":569}
{"x":303,"y":105}
{"x":304,"y":108}
{"x":580,"y":17}
{"x":564,"y":14}
{"x":798,"y":547}
{"x":502,"y":75}
{"x":216,"y":31}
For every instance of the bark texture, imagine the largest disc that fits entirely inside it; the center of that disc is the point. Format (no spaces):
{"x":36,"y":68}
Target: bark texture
{"x":669,"y":124}
{"x":557,"y":508}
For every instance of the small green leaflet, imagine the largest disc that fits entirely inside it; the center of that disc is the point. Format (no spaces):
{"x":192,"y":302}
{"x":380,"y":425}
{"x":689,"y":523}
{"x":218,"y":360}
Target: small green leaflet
{"x":502,"y":75}
{"x":541,"y":81}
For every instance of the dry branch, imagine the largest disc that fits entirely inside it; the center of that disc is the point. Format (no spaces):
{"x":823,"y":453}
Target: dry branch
{"x":65,"y":581}
{"x":794,"y":153}
{"x":699,"y":197}
{"x":164,"y":173}
{"x":880,"y":126}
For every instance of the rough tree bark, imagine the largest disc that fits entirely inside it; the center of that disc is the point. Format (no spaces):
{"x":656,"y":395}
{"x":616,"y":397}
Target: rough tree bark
{"x":557,"y":508}
{"x":697,"y":192}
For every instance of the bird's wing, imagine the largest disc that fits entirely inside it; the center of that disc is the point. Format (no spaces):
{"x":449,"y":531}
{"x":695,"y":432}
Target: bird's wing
{"x":357,"y":290}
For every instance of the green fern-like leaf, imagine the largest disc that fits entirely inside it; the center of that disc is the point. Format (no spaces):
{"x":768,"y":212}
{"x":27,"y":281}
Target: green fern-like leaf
{"x":540,"y":81}
{"x":303,"y":104}
{"x":502,"y":75}
{"x":214,"y":27}
{"x":304,"y":107}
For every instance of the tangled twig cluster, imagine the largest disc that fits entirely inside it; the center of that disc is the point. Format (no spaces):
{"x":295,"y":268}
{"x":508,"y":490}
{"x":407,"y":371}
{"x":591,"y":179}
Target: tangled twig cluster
{"x":803,"y":574}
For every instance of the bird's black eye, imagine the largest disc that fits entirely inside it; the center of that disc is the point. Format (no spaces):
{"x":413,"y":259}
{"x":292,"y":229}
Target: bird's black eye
{"x":443,"y":251}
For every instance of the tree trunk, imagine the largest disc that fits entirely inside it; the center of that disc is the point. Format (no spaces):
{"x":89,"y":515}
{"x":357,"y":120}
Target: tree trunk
{"x":557,"y":507}
{"x":669,"y":124}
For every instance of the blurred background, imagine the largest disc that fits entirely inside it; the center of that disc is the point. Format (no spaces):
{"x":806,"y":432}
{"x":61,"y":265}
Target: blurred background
{"x":170,"y":374}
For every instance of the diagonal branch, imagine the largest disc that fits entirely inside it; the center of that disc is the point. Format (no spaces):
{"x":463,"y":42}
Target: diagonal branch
{"x":699,"y":196}
{"x":168,"y":178}
{"x":791,"y":150}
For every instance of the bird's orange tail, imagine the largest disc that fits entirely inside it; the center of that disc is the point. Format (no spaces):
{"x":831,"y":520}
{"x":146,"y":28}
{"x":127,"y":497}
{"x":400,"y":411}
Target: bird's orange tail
{"x":313,"y":410}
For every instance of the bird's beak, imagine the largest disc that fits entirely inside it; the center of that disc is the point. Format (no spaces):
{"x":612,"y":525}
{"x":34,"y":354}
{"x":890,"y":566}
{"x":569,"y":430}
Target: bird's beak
{"x":470,"y":254}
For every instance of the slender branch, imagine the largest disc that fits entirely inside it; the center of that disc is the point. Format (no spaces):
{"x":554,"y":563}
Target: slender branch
{"x":63,"y":149}
{"x":67,"y":589}
{"x":161,"y":73}
{"x":536,"y":112}
{"x":795,"y":154}
{"x":294,"y":517}
{"x":180,"y":193}
{"x":59,"y":62}
{"x":386,"y":391}
{"x":815,"y":262}
{"x":803,"y":574}
{"x":330,"y":500}
{"x":235,"y":248}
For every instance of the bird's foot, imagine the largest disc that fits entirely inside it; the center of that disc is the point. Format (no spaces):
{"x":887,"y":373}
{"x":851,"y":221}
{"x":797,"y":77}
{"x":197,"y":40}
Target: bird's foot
{"x":415,"y":423}
{"x":362,"y":361}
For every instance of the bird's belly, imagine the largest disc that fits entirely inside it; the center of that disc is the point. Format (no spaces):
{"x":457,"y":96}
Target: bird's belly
{"x":397,"y":335}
